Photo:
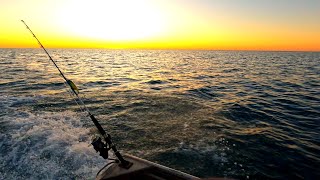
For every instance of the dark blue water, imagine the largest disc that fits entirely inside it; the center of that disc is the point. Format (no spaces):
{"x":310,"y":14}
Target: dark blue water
{"x":246,"y":115}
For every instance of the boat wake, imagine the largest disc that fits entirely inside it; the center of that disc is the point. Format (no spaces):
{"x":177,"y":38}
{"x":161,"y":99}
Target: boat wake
{"x":44,"y":145}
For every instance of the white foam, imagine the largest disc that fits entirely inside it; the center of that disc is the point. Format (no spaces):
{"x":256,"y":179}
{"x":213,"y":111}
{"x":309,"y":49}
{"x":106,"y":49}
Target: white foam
{"x":45,"y":145}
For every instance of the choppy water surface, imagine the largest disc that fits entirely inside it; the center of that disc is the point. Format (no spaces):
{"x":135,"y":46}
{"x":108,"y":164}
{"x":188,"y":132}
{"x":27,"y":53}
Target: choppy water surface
{"x":247,"y":115}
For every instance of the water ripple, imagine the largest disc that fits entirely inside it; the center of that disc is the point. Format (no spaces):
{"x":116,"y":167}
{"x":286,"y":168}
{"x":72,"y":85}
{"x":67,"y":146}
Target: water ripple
{"x":234,"y":114}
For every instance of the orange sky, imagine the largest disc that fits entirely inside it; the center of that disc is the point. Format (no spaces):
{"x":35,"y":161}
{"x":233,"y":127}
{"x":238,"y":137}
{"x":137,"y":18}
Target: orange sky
{"x":163,"y":24}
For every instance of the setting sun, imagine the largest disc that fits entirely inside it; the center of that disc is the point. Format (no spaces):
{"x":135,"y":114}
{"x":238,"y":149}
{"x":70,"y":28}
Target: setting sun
{"x":112,"y":20}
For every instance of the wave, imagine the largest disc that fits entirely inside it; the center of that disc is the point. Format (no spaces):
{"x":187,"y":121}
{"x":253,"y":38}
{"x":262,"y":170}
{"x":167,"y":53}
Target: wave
{"x":45,"y":145}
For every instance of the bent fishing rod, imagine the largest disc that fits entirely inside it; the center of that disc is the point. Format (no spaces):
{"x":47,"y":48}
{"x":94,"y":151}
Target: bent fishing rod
{"x":98,"y":145}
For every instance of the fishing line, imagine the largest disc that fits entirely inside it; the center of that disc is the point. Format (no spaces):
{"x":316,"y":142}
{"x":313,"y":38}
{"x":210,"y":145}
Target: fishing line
{"x":74,"y":98}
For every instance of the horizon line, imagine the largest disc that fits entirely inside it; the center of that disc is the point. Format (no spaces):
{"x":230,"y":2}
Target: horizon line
{"x":168,"y":49}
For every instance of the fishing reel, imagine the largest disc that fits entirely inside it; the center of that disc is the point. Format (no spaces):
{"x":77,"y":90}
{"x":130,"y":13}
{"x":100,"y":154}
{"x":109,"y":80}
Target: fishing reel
{"x":100,"y":147}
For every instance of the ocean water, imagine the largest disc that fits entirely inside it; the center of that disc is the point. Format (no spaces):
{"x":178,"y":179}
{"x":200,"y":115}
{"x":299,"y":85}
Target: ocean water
{"x":240,"y":114}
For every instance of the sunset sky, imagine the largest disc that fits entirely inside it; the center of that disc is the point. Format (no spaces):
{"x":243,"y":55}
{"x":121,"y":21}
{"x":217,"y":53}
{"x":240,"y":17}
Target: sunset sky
{"x":163,"y":24}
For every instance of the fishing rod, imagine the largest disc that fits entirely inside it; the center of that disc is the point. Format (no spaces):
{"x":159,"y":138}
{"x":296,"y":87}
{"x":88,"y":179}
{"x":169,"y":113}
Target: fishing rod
{"x":98,"y":145}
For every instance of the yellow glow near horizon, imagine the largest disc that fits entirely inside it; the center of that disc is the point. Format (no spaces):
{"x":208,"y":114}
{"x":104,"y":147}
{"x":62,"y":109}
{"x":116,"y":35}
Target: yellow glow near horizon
{"x":163,"y":24}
